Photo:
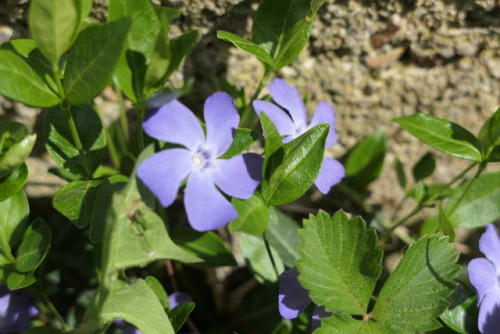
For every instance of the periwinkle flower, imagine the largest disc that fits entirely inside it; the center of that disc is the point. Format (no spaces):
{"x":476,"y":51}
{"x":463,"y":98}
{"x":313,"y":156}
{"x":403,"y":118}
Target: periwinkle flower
{"x":17,"y":308}
{"x":484,"y":274}
{"x":293,"y":299}
{"x":290,"y":119}
{"x":239,"y":176}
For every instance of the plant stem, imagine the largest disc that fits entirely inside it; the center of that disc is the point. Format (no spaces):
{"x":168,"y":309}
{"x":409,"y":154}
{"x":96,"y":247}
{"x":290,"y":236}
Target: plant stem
{"x":50,"y":307}
{"x":474,"y":178}
{"x":123,"y":116}
{"x":140,"y":131}
{"x":269,"y":252}
{"x":113,"y":153}
{"x":76,"y":139}
{"x":249,"y":118}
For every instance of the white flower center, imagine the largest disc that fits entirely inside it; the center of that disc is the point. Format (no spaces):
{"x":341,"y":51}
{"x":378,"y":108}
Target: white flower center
{"x":203,"y":158}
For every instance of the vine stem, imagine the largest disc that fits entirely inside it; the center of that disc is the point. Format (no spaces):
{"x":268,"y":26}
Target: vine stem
{"x":420,"y":206}
{"x":269,"y":252}
{"x":249,"y":118}
{"x":48,"y":305}
{"x":140,"y":131}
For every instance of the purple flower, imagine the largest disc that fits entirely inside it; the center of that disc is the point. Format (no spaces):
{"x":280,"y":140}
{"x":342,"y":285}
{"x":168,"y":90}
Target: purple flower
{"x":178,"y":298}
{"x":239,"y":176}
{"x":17,"y":308}
{"x":484,"y":274}
{"x":294,"y":298}
{"x":291,"y":121}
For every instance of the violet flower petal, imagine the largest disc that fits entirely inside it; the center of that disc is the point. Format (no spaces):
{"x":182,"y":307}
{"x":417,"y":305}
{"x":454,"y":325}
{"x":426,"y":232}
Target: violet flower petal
{"x":222,"y":119}
{"x":164,"y":171}
{"x":319,"y":313}
{"x":325,"y":113}
{"x":206,"y":208}
{"x":293,"y":298}
{"x":489,"y":312}
{"x":482,"y":276}
{"x":289,"y":98}
{"x":489,"y":244}
{"x":17,"y":308}
{"x":239,"y":176}
{"x":278,"y":116}
{"x":174,"y":123}
{"x":331,"y":173}
{"x":129,"y":329}
{"x":177,"y":298}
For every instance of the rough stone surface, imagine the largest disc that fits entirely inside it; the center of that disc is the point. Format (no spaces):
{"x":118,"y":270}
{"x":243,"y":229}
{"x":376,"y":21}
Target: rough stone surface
{"x":375,"y":60}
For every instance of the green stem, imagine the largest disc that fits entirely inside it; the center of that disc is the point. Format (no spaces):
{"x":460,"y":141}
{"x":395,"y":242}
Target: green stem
{"x":420,"y":206}
{"x":140,"y":131}
{"x":48,"y":305}
{"x":469,"y":185}
{"x":249,"y":118}
{"x":123,"y":116}
{"x":55,"y":72}
{"x":113,"y":153}
{"x":76,"y":139}
{"x":269,"y":252}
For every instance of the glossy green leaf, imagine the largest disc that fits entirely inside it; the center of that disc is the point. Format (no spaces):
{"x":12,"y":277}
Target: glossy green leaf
{"x":28,"y":50}
{"x":242,"y":139}
{"x":180,"y":48}
{"x":20,"y":82}
{"x":315,"y":6}
{"x":247,"y":46}
{"x":208,"y":246}
{"x":282,"y":29}
{"x":283,"y":236}
{"x":274,"y":150}
{"x":424,"y":167}
{"x":93,"y":58}
{"x":420,"y":192}
{"x":179,"y":314}
{"x":159,"y":63}
{"x":16,"y":132}
{"x":475,"y":202}
{"x":159,"y":291}
{"x":462,"y":314}
{"x":489,"y":137}
{"x":400,"y":173}
{"x":442,"y":135}
{"x":17,"y":281}
{"x":54,"y":25}
{"x":75,"y":201}
{"x":254,"y":251}
{"x":166,"y":14}
{"x":413,"y":296}
{"x":297,"y":172}
{"x":138,"y":305}
{"x":339,"y":262}
{"x":253,"y":215}
{"x":13,"y":221}
{"x":59,"y":141}
{"x":102,"y":204}
{"x":140,"y":44}
{"x":34,"y":247}
{"x":14,"y":182}
{"x":365,"y":161}
{"x":445,"y":225}
{"x":16,"y":155}
{"x":341,"y":323}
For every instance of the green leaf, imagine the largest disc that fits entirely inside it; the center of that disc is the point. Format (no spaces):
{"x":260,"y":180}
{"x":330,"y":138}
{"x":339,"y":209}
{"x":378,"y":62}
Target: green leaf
{"x":75,"y":201}
{"x":34,"y":247}
{"x":253,"y":215}
{"x":445,"y":225}
{"x":59,"y":141}
{"x":282,"y":29}
{"x":283,"y":235}
{"x":274,"y":150}
{"x":413,"y":296}
{"x":92,"y":60}
{"x":54,"y":25}
{"x":138,"y":305}
{"x":442,"y":135}
{"x":365,"y":161}
{"x":18,"y":281}
{"x":254,"y":251}
{"x":140,"y":44}
{"x":300,"y":166}
{"x":400,"y":173}
{"x":12,"y":183}
{"x":247,"y":46}
{"x":242,"y":139}
{"x":475,"y":202}
{"x":159,"y":291}
{"x":13,"y":221}
{"x":339,"y":262}
{"x":315,"y":6}
{"x":462,"y":314}
{"x":20,"y":82}
{"x":180,"y":47}
{"x":424,"y":167}
{"x":159,"y":63}
{"x":15,"y":130}
{"x":179,"y":314}
{"x":42,"y":330}
{"x":16,"y":155}
{"x":342,"y":323}
{"x":208,"y":246}
{"x":102,"y":204}
{"x":489,"y":137}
